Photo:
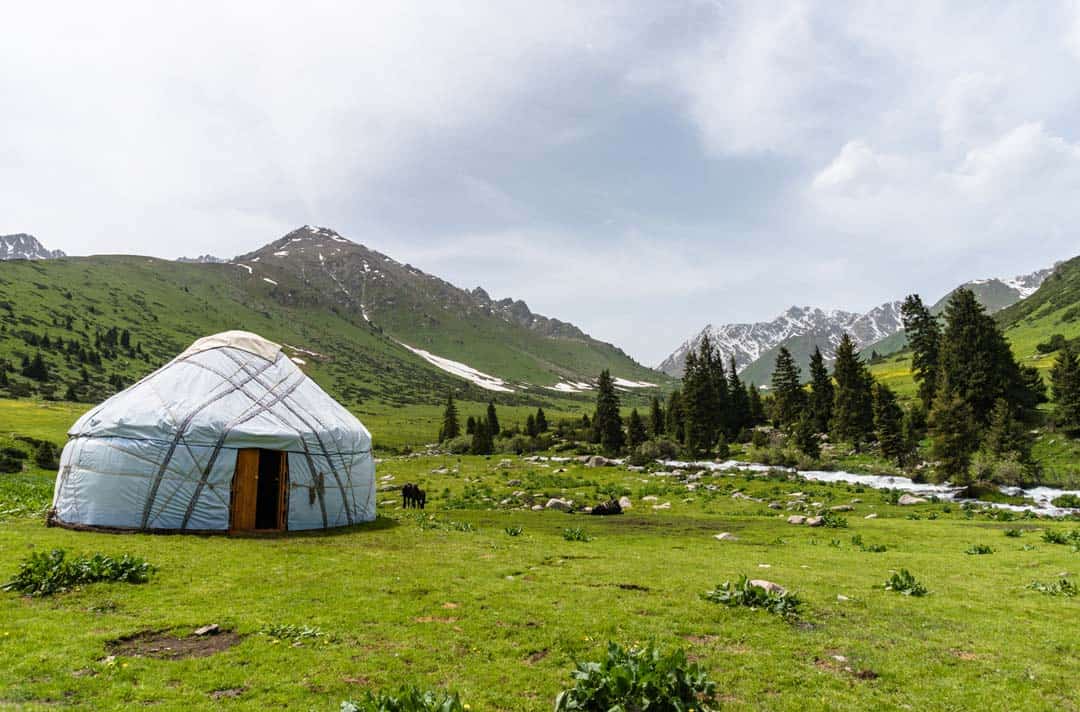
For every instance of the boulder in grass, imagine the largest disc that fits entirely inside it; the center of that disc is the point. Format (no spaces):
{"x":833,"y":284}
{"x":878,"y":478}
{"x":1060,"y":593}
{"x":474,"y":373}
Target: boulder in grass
{"x":560,"y":504}
{"x":872,"y":515}
{"x":625,"y":502}
{"x":725,"y":536}
{"x":815,"y":521}
{"x":796,"y":519}
{"x":907,"y":499}
{"x":606,"y":508}
{"x":842,"y":508}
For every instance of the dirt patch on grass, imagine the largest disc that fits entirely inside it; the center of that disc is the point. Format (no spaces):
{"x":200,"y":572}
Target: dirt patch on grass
{"x":536,"y":656}
{"x":964,"y":655}
{"x":434,"y":619}
{"x":228,"y":693}
{"x":839,"y":665}
{"x":165,"y":645}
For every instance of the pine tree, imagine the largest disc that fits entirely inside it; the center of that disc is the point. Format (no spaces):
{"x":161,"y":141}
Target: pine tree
{"x":676,"y":421}
{"x":1006,"y":438}
{"x":1065,"y":383}
{"x":125,"y":339}
{"x":36,"y":368}
{"x":530,"y":426}
{"x":635,"y":430}
{"x":470,"y":426}
{"x":757,"y":408}
{"x":889,"y":425}
{"x":821,"y":392}
{"x":492,"y":420}
{"x":656,"y":418}
{"x":541,"y":421}
{"x":738,"y":403}
{"x":482,"y":443}
{"x":699,"y":402}
{"x":723,"y":451}
{"x":806,"y":436}
{"x":71,"y":395}
{"x":976,"y":358}
{"x":3,"y":378}
{"x":787,"y":389}
{"x":924,"y":337}
{"x":450,"y":428}
{"x":953,"y":432}
{"x":608,"y":423}
{"x":853,"y":409}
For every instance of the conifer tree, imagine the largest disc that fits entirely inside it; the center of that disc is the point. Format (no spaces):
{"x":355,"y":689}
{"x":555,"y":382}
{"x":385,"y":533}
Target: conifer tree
{"x":36,"y":368}
{"x":953,"y":432}
{"x":923,"y":333}
{"x":71,"y":395}
{"x":541,"y":421}
{"x":821,"y":392}
{"x":787,"y":390}
{"x":656,"y":418}
{"x":676,"y":422}
{"x":450,"y":428}
{"x":1006,"y":438}
{"x":470,"y":426}
{"x":853,"y":409}
{"x":757,"y":408}
{"x":492,"y":420}
{"x":976,"y":358}
{"x":635,"y":430}
{"x":723,"y":451}
{"x":889,"y":425}
{"x":530,"y":426}
{"x":482,"y":442}
{"x":738,"y":403}
{"x":1065,"y":383}
{"x":699,"y":402}
{"x":3,"y":378}
{"x":806,"y":436}
{"x":608,"y":423}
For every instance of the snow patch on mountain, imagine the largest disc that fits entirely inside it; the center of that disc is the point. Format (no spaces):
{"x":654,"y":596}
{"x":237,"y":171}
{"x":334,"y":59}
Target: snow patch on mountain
{"x":484,"y":380}
{"x":22,"y":246}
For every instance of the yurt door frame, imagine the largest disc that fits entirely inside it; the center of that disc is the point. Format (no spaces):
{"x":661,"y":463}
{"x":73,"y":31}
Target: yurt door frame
{"x":258,"y":491}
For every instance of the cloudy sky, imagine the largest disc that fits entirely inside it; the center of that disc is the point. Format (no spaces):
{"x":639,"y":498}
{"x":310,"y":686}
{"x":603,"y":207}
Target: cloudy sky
{"x":639,"y":168}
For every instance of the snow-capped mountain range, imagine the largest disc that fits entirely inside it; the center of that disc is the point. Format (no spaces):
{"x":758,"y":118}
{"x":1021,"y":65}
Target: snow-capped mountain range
{"x":750,"y":342}
{"x":21,"y":246}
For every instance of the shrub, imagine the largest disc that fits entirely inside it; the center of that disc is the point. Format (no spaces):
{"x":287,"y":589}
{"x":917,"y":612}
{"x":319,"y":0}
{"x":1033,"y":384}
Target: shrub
{"x":832,"y":520}
{"x":43,"y":574}
{"x":1014,"y":533}
{"x":653,"y":450}
{"x":1063,"y":587}
{"x":1067,"y":500}
{"x":47,"y":456}
{"x":903,"y":582}
{"x":10,"y":461}
{"x":759,"y":438}
{"x":513,"y":531}
{"x":638,"y":679}
{"x":575,"y":534}
{"x":407,"y":699}
{"x":745,"y":593}
{"x":976,"y":549}
{"x":459,"y":445}
{"x":1053,"y":536}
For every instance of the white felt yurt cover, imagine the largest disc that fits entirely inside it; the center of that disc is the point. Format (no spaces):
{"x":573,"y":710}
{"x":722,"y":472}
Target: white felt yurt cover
{"x":161,"y":454}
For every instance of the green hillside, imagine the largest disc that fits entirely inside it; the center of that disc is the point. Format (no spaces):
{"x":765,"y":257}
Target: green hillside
{"x":101,"y":323}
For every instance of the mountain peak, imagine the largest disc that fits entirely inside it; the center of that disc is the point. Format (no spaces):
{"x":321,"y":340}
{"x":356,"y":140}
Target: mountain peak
{"x":21,"y":246}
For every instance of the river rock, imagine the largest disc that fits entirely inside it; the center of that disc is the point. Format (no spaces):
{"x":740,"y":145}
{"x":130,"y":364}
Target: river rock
{"x":625,"y":502}
{"x":906,"y":499}
{"x":505,"y":463}
{"x":842,"y":508}
{"x":815,"y":521}
{"x":768,"y":586}
{"x":725,"y":536}
{"x":538,"y":508}
{"x":599,"y":461}
{"x":796,"y":519}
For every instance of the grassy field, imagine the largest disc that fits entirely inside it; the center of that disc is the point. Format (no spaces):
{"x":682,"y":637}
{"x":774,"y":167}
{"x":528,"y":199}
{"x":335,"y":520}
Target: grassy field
{"x":500,"y":618}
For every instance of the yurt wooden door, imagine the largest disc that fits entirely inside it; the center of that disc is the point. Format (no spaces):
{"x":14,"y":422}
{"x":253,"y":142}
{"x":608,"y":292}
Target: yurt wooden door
{"x":258,"y":491}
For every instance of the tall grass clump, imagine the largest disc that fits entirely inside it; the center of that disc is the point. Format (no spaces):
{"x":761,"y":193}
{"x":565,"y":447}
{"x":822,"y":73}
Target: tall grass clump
{"x":638,"y":679}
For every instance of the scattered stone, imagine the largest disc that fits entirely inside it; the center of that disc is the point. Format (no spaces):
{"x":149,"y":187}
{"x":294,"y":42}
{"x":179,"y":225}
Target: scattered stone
{"x":513,"y":483}
{"x":856,"y":501}
{"x":842,"y":508}
{"x":872,"y":515}
{"x":906,"y":499}
{"x":538,"y":508}
{"x":560,"y":504}
{"x":796,"y":519}
{"x":605,"y":508}
{"x":775,"y":505}
{"x":649,"y":498}
{"x":635,"y":468}
{"x":815,"y":521}
{"x":841,"y":598}
{"x":505,"y":463}
{"x":212,"y":629}
{"x":665,"y":505}
{"x":768,"y":586}
{"x":598,"y":461}
{"x":625,"y":502}
{"x":725,"y":536}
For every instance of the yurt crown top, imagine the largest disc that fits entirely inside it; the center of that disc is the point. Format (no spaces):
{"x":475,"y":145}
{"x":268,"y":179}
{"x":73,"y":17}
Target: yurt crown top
{"x":243,"y":340}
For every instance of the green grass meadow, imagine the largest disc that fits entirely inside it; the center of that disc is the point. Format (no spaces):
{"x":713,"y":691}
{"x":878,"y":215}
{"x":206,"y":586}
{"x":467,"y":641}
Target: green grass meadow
{"x":459,"y":603}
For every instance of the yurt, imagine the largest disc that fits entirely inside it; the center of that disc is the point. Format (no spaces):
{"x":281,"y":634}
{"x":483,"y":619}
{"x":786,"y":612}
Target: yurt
{"x":230,"y":436}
